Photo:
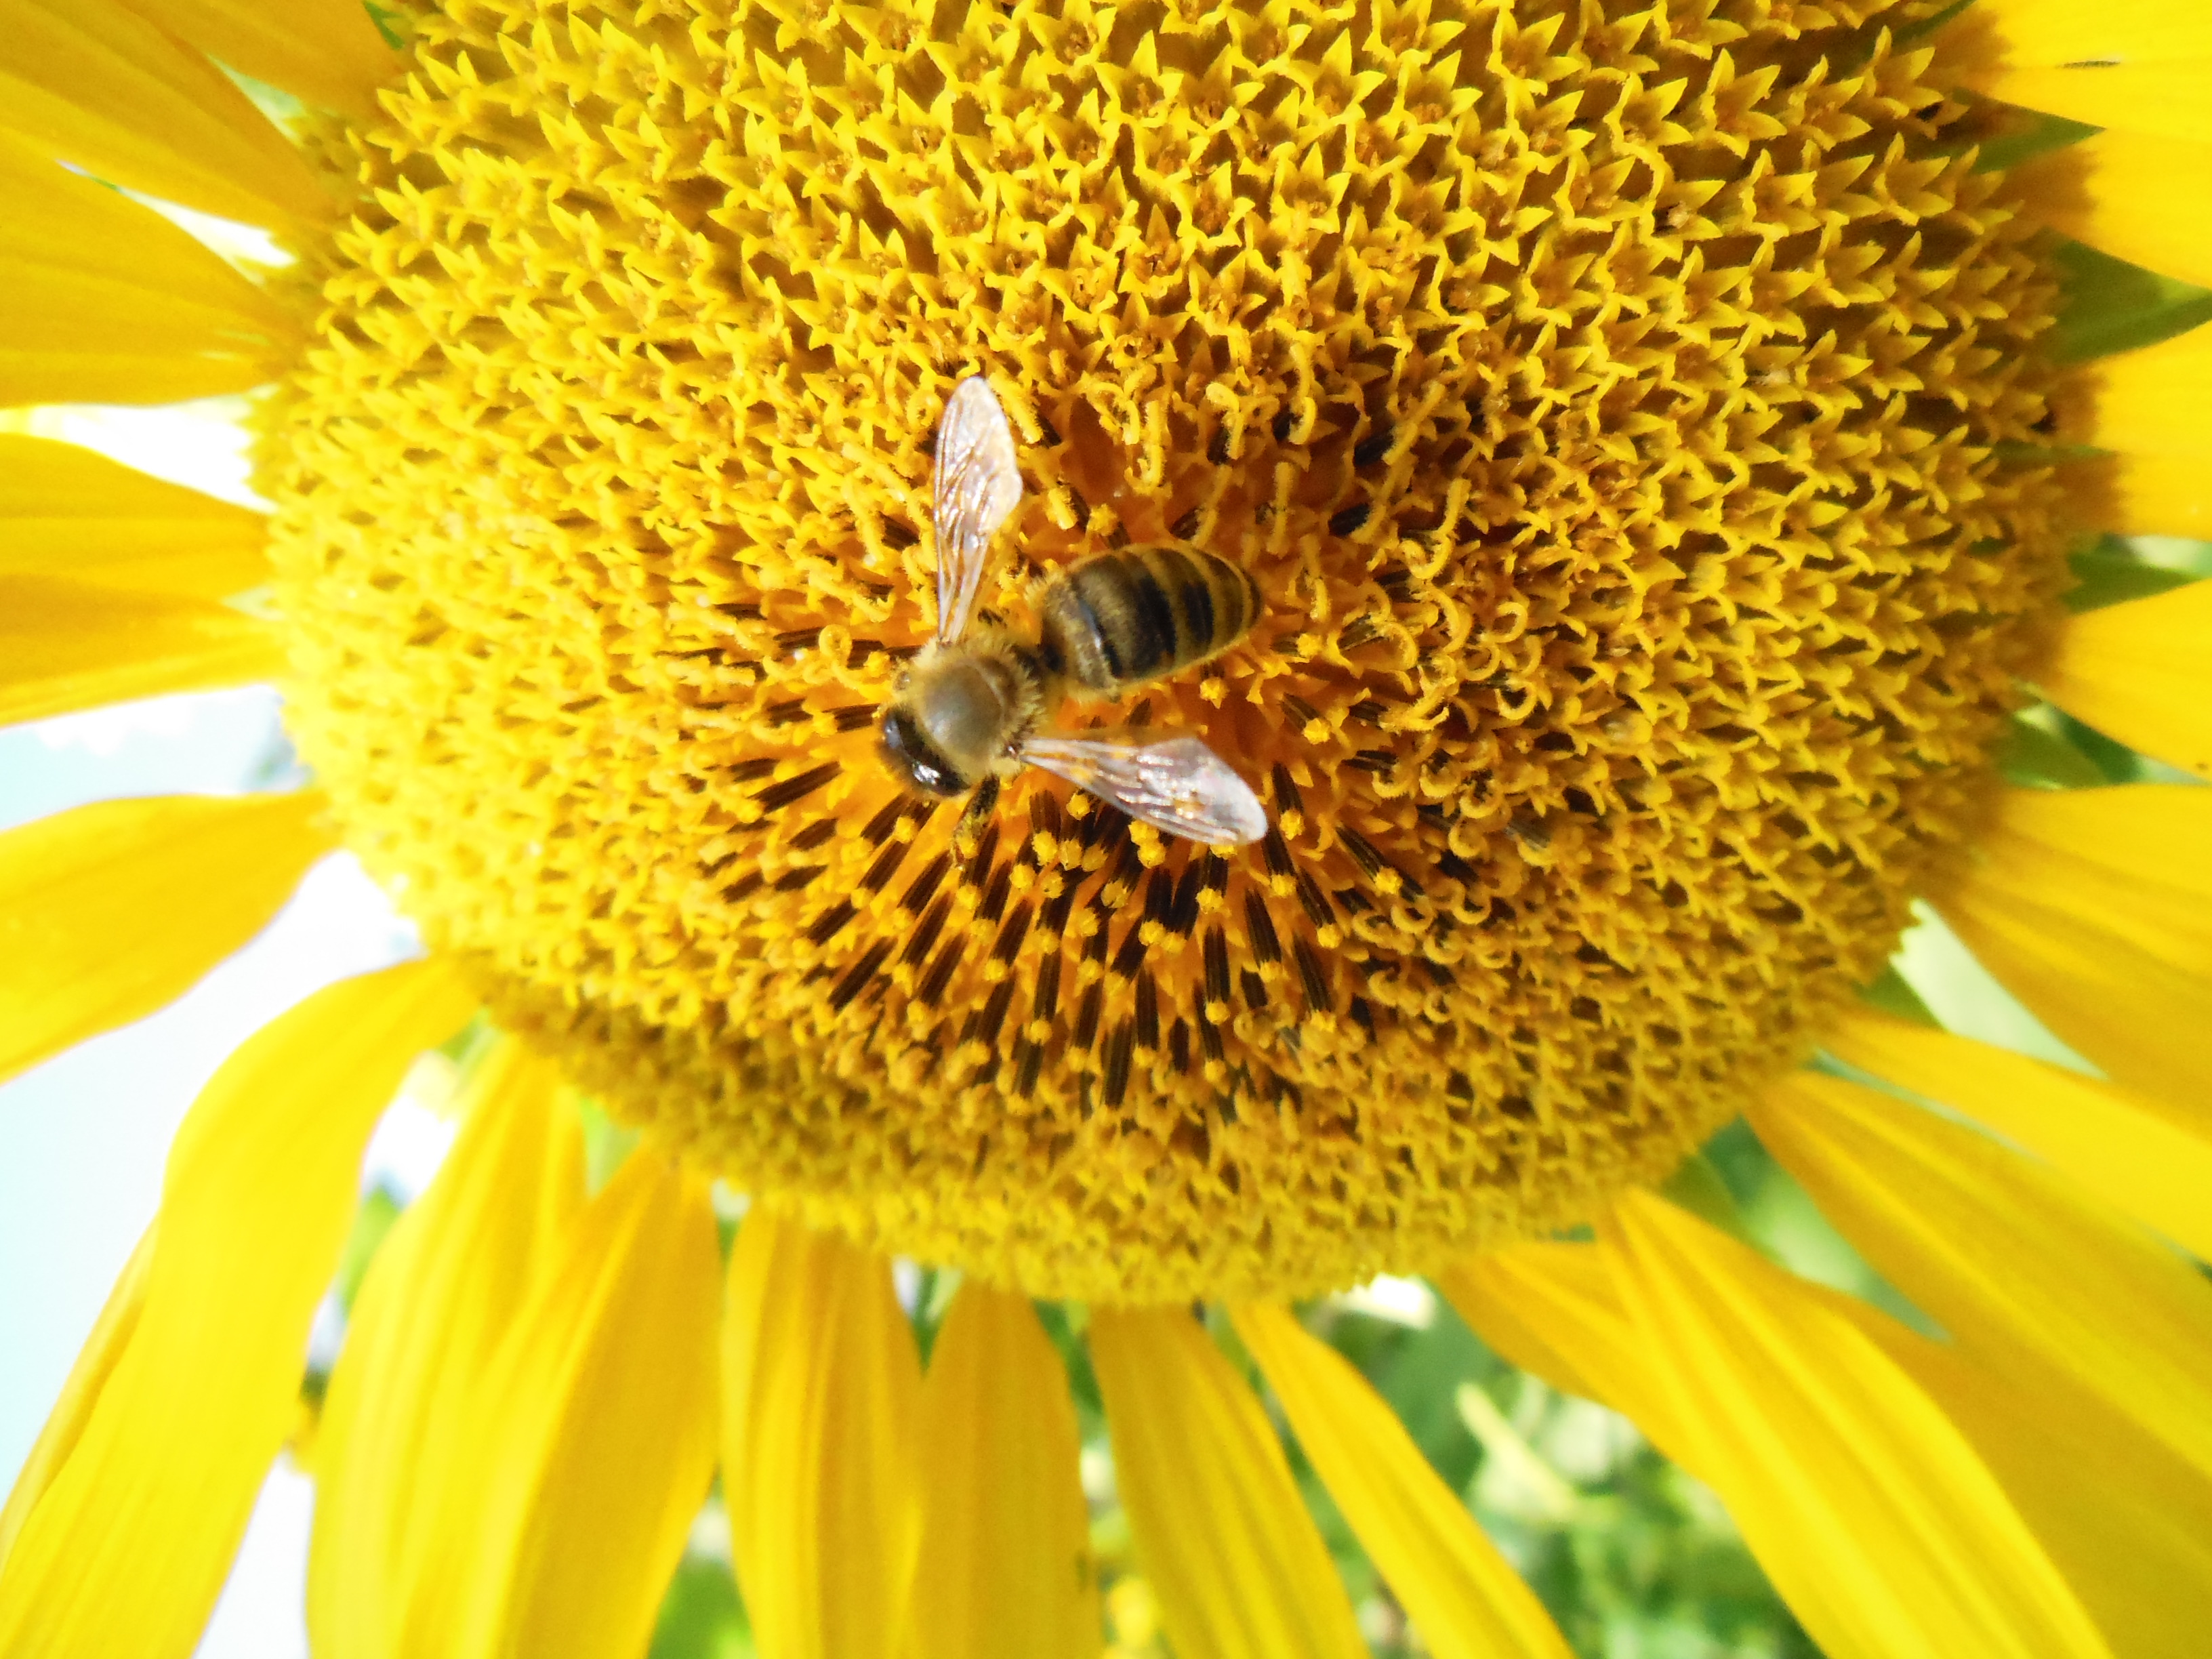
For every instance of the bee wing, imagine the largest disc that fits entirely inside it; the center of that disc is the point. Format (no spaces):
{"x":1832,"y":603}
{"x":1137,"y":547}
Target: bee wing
{"x":1175,"y":784}
{"x":978,"y":483}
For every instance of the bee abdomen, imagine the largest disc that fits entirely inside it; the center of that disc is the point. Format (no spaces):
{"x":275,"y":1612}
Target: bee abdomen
{"x":1141,"y":612}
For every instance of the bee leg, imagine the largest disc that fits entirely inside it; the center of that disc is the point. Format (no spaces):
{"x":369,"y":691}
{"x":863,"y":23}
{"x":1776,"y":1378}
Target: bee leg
{"x":980,"y":806}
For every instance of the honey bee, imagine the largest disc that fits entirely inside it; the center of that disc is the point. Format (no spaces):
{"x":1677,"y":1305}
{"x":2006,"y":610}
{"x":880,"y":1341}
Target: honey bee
{"x":968,"y":708}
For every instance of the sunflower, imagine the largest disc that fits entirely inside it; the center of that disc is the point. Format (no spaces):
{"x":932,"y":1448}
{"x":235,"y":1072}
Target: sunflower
{"x":1671,"y":442}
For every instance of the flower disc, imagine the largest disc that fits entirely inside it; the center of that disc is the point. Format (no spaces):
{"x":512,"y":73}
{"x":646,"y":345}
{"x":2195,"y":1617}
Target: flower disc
{"x":1608,"y":400}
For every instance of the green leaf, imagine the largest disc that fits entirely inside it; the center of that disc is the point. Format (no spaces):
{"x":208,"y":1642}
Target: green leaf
{"x":1696,"y":1186}
{"x":387,"y":20}
{"x":1890,"y":993}
{"x":2110,"y":306}
{"x":2115,"y":761}
{"x":2027,"y":135}
{"x":2110,"y":574}
{"x":700,"y":1616}
{"x":371,"y":1222}
{"x":2035,"y":756}
{"x":606,"y":1144}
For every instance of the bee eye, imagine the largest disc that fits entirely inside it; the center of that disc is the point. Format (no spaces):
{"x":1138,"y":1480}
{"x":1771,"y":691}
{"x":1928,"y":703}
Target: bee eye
{"x":907,"y":752}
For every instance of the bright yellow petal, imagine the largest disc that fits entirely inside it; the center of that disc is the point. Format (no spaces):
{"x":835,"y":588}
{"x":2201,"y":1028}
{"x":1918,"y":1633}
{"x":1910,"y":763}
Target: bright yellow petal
{"x":1554,"y":1309}
{"x":327,"y":51}
{"x":69,"y":512}
{"x":2136,"y":196}
{"x":406,"y":1397}
{"x":66,"y":646}
{"x":97,"y":85}
{"x":108,"y":302}
{"x":2167,"y":100}
{"x":1221,"y":1533}
{"x":566,"y":1510}
{"x":2148,"y":407}
{"x":2061,"y":32}
{"x":2152,"y":1164}
{"x":1006,"y":1569}
{"x":1461,"y":1595}
{"x":108,"y":911}
{"x":822,"y":1398}
{"x":2156,"y":496}
{"x":2130,"y":1527}
{"x":2150,"y":401}
{"x":127,"y":1547}
{"x":2146,"y":66}
{"x":1873,"y":1515}
{"x":2021,"y":1271}
{"x":96,"y":1363}
{"x":2095,"y":908}
{"x":2142,"y":672}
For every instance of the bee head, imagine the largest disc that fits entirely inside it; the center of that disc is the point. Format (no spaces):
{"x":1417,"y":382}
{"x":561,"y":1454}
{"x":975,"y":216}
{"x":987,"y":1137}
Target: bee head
{"x":955,"y":714}
{"x":912,"y":758}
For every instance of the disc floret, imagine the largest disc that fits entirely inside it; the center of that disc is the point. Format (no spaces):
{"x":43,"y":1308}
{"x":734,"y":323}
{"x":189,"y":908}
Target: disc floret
{"x":1610,"y":408}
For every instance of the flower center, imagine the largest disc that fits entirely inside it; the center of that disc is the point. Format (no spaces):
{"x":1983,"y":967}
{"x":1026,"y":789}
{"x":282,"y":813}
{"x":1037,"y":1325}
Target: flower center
{"x":1608,"y":404}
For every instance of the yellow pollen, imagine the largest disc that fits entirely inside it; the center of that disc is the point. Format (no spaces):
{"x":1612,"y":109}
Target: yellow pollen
{"x":1620,"y":406}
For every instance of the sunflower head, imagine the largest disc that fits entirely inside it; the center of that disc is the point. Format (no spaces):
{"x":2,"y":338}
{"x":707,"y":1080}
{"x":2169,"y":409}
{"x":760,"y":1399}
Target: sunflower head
{"x":1640,"y":432}
{"x":1621,"y":413}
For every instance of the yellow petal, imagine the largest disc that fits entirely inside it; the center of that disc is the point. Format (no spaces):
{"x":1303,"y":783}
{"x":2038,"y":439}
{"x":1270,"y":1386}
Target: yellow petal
{"x":95,"y":1364}
{"x":406,"y":1397}
{"x":2146,"y":66}
{"x":822,"y":1398}
{"x":126,"y":1547}
{"x":2168,"y":101}
{"x":2024,"y":1273}
{"x":66,"y":646}
{"x":2150,"y":401}
{"x":1461,"y":1595}
{"x":1554,"y":1309}
{"x":110,"y":911}
{"x":2136,"y":196}
{"x":2129,"y":1527}
{"x":2142,"y":672}
{"x":2157,"y":496}
{"x":69,"y":512}
{"x":96,"y":84}
{"x":327,"y":51}
{"x":108,"y":302}
{"x":592,"y":1440}
{"x":2148,"y":407}
{"x":1006,"y":1569}
{"x":2062,"y":31}
{"x":1873,"y":1515}
{"x":1221,"y":1533}
{"x":2094,"y":908}
{"x":2151,"y":1164}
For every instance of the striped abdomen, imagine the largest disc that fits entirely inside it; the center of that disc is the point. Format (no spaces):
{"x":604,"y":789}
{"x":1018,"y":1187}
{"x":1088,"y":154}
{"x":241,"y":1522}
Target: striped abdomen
{"x":1135,"y":614}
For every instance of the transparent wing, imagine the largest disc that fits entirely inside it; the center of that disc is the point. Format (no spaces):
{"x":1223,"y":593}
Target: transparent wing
{"x":1175,"y":784}
{"x":978,"y":483}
